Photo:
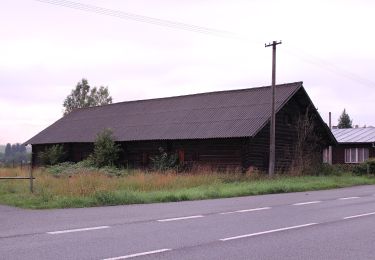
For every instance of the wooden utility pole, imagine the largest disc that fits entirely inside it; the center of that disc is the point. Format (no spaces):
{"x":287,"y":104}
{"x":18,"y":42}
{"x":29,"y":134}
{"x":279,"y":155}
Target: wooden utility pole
{"x":271,"y":165}
{"x":330,"y":147}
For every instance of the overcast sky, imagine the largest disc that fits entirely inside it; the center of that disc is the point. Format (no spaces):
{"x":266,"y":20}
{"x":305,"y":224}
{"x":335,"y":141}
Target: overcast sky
{"x":46,"y":49}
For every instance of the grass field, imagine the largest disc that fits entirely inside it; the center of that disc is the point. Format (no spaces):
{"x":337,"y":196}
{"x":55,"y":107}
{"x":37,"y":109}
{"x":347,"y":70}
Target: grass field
{"x":94,"y":188}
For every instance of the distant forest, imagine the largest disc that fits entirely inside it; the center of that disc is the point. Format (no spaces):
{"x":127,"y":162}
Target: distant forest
{"x":13,"y":154}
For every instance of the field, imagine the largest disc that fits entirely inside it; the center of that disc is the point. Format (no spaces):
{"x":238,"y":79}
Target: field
{"x":90,"y":187}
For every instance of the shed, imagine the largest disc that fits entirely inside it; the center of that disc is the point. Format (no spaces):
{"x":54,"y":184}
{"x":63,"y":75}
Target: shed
{"x":355,"y":145}
{"x":223,"y":129}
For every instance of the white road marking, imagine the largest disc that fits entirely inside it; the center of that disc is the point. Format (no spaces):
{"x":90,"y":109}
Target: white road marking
{"x":306,"y":203}
{"x":76,"y":230}
{"x":267,"y":232}
{"x":362,"y":215}
{"x":138,"y":254}
{"x":349,"y":198}
{"x":180,"y":218}
{"x":244,"y":210}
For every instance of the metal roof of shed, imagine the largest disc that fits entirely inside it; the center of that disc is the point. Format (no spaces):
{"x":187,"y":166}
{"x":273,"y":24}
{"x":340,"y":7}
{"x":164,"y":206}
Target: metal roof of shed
{"x":355,"y":135}
{"x":222,"y":114}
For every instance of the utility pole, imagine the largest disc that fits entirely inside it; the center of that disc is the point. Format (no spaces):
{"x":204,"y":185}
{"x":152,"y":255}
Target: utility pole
{"x":330,"y":147}
{"x":271,"y":165}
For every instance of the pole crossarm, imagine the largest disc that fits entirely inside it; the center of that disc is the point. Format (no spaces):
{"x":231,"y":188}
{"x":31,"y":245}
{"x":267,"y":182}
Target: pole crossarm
{"x":272,"y":44}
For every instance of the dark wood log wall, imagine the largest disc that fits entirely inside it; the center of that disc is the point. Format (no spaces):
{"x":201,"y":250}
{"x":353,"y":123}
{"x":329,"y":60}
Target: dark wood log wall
{"x":211,"y":153}
{"x":217,"y":153}
{"x":286,"y":136}
{"x":75,"y":152}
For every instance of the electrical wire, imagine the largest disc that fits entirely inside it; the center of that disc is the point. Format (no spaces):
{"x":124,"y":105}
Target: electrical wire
{"x":308,"y":58}
{"x":141,"y":18}
{"x":324,"y":64}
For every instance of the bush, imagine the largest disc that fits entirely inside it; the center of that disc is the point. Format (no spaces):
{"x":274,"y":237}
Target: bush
{"x":52,"y":155}
{"x":163,"y":161}
{"x":60,"y":168}
{"x":327,"y":169}
{"x":83,"y":167}
{"x":365,"y":167}
{"x":371,"y":164}
{"x":105,"y":150}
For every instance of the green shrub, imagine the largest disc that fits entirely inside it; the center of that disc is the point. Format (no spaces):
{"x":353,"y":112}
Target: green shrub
{"x":60,"y":168}
{"x":163,"y":161}
{"x":371,"y":165}
{"x":105,"y":150}
{"x":360,"y":169}
{"x":367,"y":167}
{"x":82,"y":167}
{"x":52,"y":155}
{"x":326,"y":169}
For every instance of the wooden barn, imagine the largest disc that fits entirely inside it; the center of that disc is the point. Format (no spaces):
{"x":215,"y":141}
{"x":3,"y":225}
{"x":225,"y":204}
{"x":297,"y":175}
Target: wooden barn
{"x":224,"y":129}
{"x":355,"y":145}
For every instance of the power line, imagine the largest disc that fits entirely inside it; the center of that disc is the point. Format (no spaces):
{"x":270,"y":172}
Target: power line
{"x":141,"y":18}
{"x":324,"y":64}
{"x":308,"y":58}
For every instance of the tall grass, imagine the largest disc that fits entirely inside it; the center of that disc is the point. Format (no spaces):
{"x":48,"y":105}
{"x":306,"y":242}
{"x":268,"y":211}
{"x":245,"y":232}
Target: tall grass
{"x":92,"y":187}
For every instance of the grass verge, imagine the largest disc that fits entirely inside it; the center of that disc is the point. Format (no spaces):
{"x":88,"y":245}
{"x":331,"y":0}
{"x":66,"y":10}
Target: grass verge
{"x":94,"y":188}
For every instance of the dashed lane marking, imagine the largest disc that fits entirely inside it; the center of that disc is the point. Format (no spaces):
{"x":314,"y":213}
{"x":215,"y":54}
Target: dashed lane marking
{"x":306,"y":203}
{"x":361,"y":215}
{"x":349,"y":198}
{"x":244,"y":210}
{"x":180,"y":218}
{"x":268,"y":232}
{"x":76,"y":230}
{"x":138,"y":254}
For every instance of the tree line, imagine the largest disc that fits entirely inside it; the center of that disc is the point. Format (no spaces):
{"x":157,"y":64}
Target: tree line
{"x":14,"y":154}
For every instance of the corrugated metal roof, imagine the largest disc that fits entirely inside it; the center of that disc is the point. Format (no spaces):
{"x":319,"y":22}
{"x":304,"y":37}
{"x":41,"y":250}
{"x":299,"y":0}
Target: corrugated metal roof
{"x":355,"y":135}
{"x":234,"y":113}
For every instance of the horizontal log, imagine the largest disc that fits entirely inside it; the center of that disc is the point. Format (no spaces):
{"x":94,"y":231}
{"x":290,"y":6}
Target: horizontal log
{"x":16,"y":178}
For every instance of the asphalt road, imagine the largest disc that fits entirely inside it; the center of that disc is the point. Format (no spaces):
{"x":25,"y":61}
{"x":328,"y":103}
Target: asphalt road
{"x":332,"y":224}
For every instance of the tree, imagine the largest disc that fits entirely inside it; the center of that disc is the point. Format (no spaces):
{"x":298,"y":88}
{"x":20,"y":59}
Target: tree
{"x":105,"y":149}
{"x":306,"y":155}
{"x":164,"y":161}
{"x":52,"y":155}
{"x":345,"y":121}
{"x":8,"y":150}
{"x":85,"y":96}
{"x":15,"y":153}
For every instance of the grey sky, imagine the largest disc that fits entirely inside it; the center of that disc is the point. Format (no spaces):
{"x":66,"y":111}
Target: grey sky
{"x":45,"y":50}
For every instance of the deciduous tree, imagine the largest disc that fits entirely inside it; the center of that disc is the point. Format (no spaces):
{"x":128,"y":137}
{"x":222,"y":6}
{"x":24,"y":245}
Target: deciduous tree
{"x":85,"y":96}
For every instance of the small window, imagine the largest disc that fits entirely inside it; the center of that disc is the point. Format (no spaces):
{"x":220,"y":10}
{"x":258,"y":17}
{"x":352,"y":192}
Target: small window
{"x":353,"y":155}
{"x":347,"y":155}
{"x":366,"y":154}
{"x":360,"y":155}
{"x":356,"y":155}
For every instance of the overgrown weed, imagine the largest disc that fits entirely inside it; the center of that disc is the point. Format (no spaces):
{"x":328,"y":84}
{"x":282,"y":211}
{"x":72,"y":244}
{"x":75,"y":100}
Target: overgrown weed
{"x":93,"y":187}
